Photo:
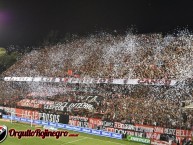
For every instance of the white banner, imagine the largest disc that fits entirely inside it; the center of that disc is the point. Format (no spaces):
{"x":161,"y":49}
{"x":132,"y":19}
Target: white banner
{"x":59,"y":106}
{"x":145,"y":81}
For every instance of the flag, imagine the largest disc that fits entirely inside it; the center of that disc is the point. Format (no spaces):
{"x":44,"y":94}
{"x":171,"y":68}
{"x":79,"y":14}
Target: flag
{"x":69,"y":72}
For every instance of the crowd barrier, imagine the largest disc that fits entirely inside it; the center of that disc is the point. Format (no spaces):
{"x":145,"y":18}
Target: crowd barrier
{"x":65,"y":126}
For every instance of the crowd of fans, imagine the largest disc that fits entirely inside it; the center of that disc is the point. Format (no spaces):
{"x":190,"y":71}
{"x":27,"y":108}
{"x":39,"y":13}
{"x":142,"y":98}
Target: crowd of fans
{"x":106,"y":56}
{"x":131,"y":56}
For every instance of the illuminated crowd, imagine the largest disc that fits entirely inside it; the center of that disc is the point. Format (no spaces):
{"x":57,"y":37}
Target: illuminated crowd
{"x":106,"y":56}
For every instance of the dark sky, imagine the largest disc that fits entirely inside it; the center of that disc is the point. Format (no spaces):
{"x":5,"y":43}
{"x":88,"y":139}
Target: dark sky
{"x":27,"y":22}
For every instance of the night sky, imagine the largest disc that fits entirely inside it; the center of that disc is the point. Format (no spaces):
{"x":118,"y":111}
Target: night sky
{"x":27,"y":22}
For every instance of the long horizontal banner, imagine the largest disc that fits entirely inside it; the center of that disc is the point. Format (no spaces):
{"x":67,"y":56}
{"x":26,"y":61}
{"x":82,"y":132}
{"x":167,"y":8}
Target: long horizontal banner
{"x":156,"y":133}
{"x":145,"y":81}
{"x":153,"y":132}
{"x":66,"y":126}
{"x":59,"y":106}
{"x":37,"y":115}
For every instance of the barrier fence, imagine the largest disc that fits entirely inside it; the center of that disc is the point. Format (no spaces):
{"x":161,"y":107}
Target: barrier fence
{"x":65,"y":126}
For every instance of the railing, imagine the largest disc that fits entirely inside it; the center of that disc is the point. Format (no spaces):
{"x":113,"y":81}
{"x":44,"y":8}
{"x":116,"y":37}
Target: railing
{"x":65,"y":126}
